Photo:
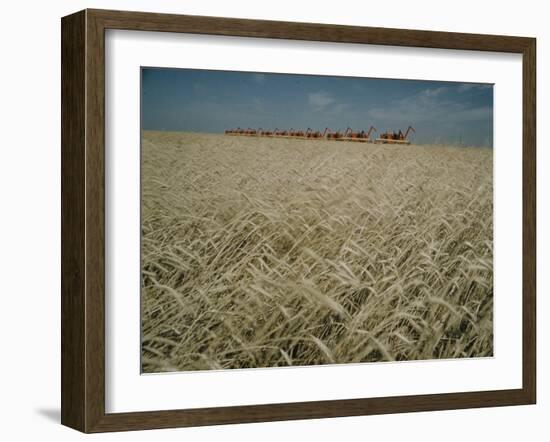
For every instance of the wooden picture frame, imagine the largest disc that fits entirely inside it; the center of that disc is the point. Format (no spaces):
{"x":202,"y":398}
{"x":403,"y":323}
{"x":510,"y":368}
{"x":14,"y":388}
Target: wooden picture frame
{"x":83,"y":218}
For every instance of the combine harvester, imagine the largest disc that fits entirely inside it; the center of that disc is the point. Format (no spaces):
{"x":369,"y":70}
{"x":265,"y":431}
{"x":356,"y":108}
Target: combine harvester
{"x":246,"y":132}
{"x":317,"y":134}
{"x":395,"y":137}
{"x":362,"y":137}
{"x":334,"y":135}
{"x":265,"y":133}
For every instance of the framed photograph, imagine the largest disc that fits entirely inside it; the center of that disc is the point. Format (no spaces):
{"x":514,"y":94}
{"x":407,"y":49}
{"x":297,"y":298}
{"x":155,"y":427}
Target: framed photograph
{"x":266,"y":221}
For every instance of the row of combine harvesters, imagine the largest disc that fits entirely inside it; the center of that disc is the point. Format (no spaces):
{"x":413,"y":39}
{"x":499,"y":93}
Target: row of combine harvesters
{"x":309,"y":134}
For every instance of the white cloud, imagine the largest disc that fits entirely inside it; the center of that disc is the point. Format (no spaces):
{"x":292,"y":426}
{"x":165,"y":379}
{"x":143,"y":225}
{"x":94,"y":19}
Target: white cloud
{"x":341,"y":107}
{"x":465,"y":87}
{"x":259,"y":78}
{"x":320,"y":100}
{"x":429,"y":105}
{"x":433,"y":92}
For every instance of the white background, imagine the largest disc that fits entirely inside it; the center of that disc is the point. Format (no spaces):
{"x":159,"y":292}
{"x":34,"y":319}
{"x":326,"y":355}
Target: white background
{"x":128,"y":391}
{"x":30,"y":221}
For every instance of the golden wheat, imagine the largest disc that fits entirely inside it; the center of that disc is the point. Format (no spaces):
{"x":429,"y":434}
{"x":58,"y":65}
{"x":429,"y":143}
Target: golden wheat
{"x":276,"y":252}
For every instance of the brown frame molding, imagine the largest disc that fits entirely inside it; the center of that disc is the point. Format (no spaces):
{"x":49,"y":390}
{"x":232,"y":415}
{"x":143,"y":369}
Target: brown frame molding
{"x":83,"y":215}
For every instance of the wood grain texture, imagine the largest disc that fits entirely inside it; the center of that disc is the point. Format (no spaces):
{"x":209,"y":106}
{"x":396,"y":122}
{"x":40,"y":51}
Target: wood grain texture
{"x":529,"y":220}
{"x":95,"y":221}
{"x":144,"y":21}
{"x":83,"y":218}
{"x":73,"y":129}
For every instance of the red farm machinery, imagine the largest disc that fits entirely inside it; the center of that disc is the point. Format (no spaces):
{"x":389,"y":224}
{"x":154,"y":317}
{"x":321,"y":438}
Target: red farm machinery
{"x":395,"y":137}
{"x":328,"y":134}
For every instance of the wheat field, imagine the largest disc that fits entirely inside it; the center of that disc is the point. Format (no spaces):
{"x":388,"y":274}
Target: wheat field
{"x":261,"y":252}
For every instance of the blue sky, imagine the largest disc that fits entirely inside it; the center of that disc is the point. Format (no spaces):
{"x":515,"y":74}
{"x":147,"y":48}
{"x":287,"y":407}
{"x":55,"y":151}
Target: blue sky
{"x":212,"y":101}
